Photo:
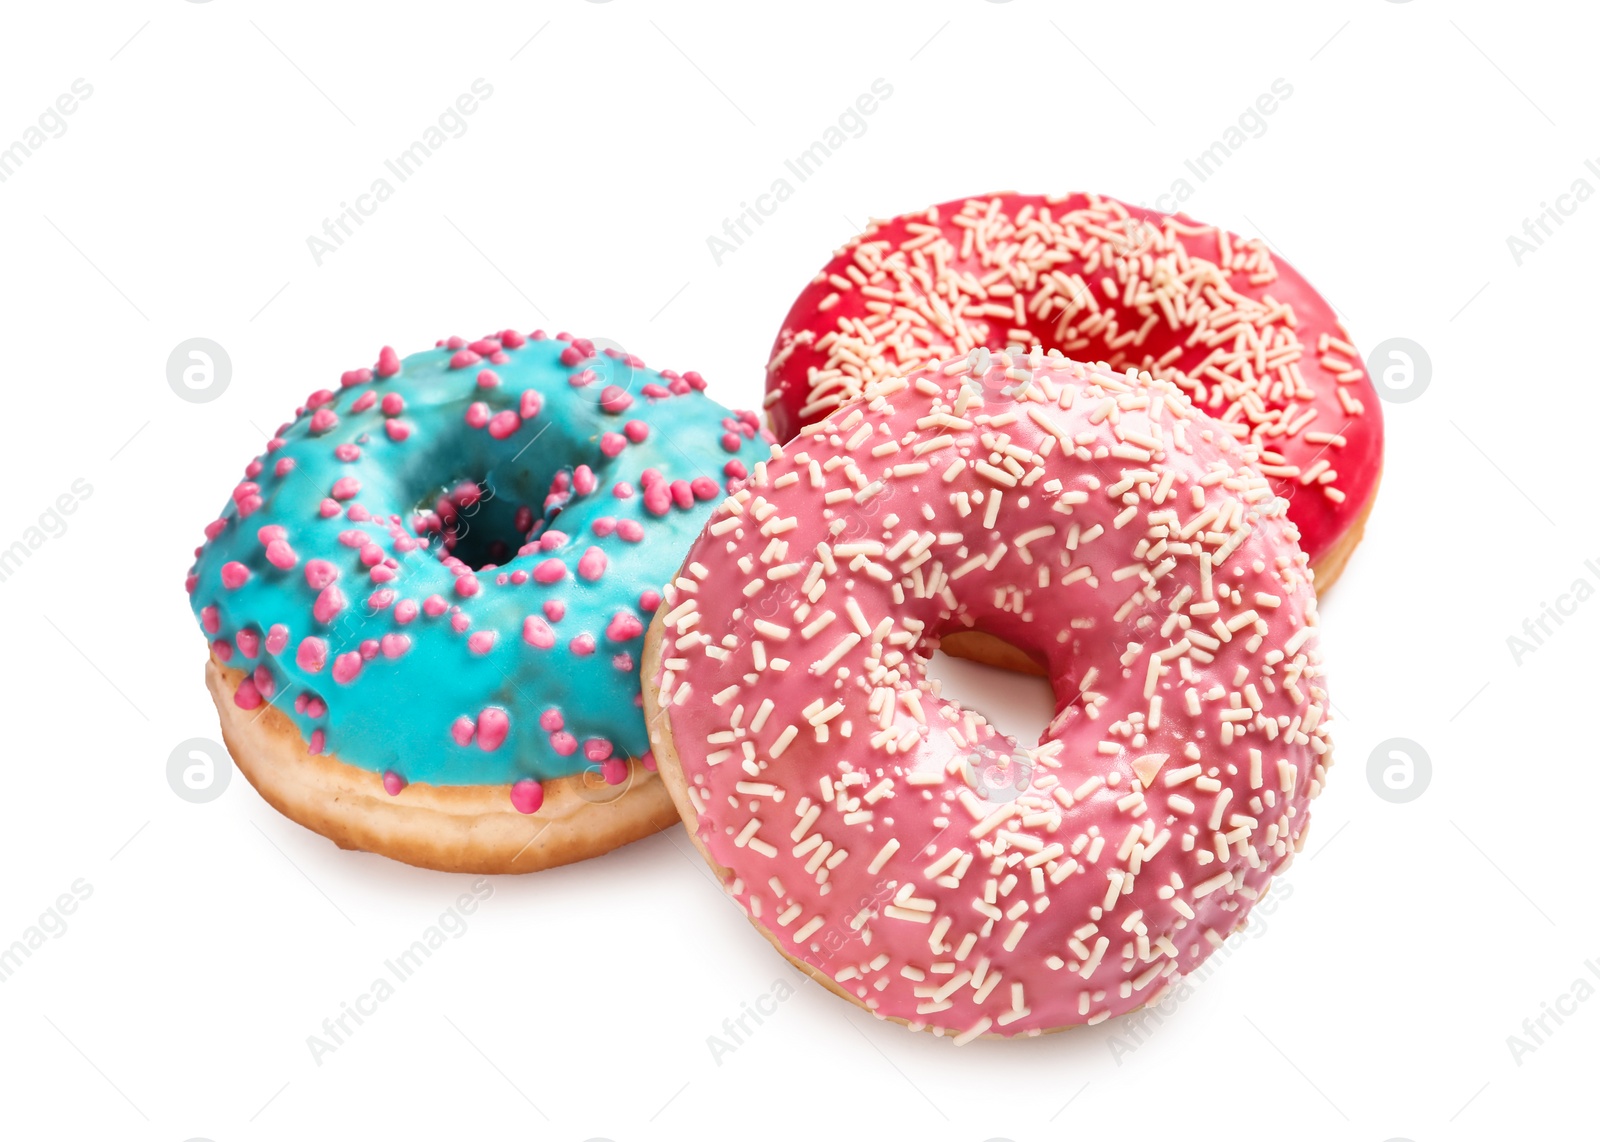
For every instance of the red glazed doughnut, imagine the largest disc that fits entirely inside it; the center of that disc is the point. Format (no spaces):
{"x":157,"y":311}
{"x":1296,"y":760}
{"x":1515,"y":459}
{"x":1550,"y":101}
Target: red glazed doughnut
{"x":896,"y":846}
{"x":1243,"y":334}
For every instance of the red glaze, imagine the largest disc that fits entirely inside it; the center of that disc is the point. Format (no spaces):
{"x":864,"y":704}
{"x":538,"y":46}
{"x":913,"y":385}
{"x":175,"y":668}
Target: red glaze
{"x":1030,"y":269}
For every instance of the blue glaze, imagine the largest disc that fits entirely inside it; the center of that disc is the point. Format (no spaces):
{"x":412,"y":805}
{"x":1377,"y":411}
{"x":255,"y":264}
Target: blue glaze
{"x":397,"y":713}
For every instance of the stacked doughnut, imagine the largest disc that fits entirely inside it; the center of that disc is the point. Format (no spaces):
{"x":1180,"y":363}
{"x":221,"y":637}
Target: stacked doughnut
{"x":1245,"y":337}
{"x":895,"y":845}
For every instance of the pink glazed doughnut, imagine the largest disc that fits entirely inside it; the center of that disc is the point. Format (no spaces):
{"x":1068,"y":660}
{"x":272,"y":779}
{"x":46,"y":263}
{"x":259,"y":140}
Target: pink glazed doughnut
{"x":896,"y":846}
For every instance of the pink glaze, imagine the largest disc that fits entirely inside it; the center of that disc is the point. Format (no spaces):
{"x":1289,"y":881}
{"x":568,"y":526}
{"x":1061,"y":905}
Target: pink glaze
{"x":900,"y":844}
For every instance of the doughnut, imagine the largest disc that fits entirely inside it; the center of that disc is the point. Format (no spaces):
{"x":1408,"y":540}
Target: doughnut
{"x":1236,"y":328}
{"x":897,"y":847}
{"x":427,"y":599}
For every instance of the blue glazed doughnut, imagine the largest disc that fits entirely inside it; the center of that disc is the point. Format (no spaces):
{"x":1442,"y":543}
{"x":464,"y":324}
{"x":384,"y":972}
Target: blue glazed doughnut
{"x":440,"y":574}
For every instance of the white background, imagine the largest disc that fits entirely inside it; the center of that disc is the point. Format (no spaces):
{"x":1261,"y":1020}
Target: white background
{"x":1417,"y":937}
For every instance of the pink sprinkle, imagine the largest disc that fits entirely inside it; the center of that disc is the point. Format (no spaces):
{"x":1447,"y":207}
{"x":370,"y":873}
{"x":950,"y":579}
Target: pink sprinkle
{"x":511,"y":339}
{"x":327,"y":509}
{"x":284,"y":466}
{"x":368,"y":649}
{"x":564,"y":743}
{"x":349,"y":453}
{"x":583,"y":479}
{"x":649,"y":601}
{"x":357,"y":513}
{"x":235,"y":575}
{"x":381,"y":599}
{"x":433,"y":606}
{"x":597,"y":749}
{"x":352,"y":377}
{"x":622,"y":490}
{"x":405,"y":611}
{"x":503,"y":424}
{"x":315,"y":707}
{"x":215,"y":528}
{"x":537,"y":632}
{"x":654,"y":391}
{"x":636,"y":430}
{"x":481,"y":642}
{"x":393,"y":404}
{"x":312,"y":655}
{"x":624,"y":627}
{"x":388,"y":362}
{"x":222,"y":649}
{"x":649,"y":760}
{"x":532,"y":402}
{"x":319,"y":572}
{"x":353,"y":537}
{"x":593,"y":564}
{"x":555,"y":610}
{"x":363,"y":402}
{"x":247,"y":697}
{"x":467,"y":586}
{"x":382,"y":573}
{"x":346,"y":488}
{"x":493,"y":725}
{"x":736,"y":469}
{"x":477,"y":414}
{"x":682,"y":495}
{"x":398,"y":430}
{"x":244,"y":490}
{"x":527,"y":795}
{"x":703,"y":487}
{"x":488,"y":379}
{"x":370,"y":555}
{"x":657,"y":499}
{"x":329,"y":603}
{"x":323,"y":420}
{"x":603,"y":526}
{"x":614,"y":771}
{"x":582,"y":377}
{"x":696,"y":381}
{"x":281,"y":555}
{"x":248,"y":641}
{"x":622,"y":662}
{"x":318,"y":740}
{"x":582,"y":644}
{"x":460,"y":622}
{"x":318,"y":399}
{"x":612,"y":444}
{"x":551,"y":720}
{"x":265,"y":683}
{"x":394,"y":645}
{"x":393,"y":783}
{"x":550,"y":571}
{"x":346,"y":667}
{"x":277,"y":638}
{"x":464,"y":358}
{"x":267,"y":532}
{"x":631,"y":530}
{"x":463,"y":729}
{"x":614,"y":398}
